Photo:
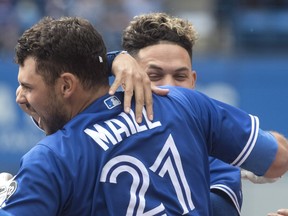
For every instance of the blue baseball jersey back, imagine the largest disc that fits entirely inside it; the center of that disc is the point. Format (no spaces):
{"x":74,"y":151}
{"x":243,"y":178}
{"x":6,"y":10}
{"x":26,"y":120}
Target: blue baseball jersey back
{"x":103,"y":163}
{"x":223,"y":177}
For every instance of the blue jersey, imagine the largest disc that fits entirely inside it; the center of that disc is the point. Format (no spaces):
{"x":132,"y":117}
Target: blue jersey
{"x":226,"y":178}
{"x":103,"y":163}
{"x":223,"y":177}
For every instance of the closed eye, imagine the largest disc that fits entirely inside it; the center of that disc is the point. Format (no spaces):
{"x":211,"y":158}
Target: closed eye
{"x":180,"y":77}
{"x":155,"y":76}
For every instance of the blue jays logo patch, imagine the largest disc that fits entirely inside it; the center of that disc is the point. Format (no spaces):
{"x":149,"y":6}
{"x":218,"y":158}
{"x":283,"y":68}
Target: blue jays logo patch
{"x":112,"y":102}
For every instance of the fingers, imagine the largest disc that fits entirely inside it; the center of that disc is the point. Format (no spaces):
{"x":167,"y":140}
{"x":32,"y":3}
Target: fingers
{"x":159,"y":91}
{"x":283,"y":212}
{"x":148,"y":98}
{"x":276,"y":214}
{"x":115,"y":85}
{"x":149,"y":103}
{"x":135,"y":81}
{"x":280,"y":212}
{"x":129,"y":89}
{"x":143,"y":96}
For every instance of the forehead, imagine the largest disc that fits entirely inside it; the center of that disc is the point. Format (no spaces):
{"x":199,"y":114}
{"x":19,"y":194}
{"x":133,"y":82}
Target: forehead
{"x":27,"y":72}
{"x":164,"y":54}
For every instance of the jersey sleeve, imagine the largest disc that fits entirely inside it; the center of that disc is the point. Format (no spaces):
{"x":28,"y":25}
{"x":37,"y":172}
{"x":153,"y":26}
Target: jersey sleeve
{"x":40,"y":185}
{"x":265,"y":144}
{"x":231,"y":134}
{"x":236,"y":137}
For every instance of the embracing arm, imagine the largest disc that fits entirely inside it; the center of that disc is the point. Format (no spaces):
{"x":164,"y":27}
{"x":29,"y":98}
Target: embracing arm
{"x":134,"y":80}
{"x":277,"y":166}
{"x":280,"y":212}
{"x":280,"y":163}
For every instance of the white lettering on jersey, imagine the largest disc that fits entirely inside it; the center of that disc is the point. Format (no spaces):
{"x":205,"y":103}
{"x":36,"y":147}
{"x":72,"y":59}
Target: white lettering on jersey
{"x":124,"y":126}
{"x":117,"y":132}
{"x":168,"y":161}
{"x":141,"y":181}
{"x":164,"y":165}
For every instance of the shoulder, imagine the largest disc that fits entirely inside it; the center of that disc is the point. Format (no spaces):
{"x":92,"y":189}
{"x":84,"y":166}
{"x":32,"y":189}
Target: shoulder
{"x":47,"y":149}
{"x":185,"y":95}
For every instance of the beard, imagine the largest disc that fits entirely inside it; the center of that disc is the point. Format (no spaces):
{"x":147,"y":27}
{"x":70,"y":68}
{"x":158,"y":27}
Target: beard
{"x":55,"y":116}
{"x":55,"y":122}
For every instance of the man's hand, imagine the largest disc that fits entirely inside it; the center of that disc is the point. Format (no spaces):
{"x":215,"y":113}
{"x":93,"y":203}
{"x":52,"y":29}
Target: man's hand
{"x":245,"y":174}
{"x":134,"y":80}
{"x":280,"y":212}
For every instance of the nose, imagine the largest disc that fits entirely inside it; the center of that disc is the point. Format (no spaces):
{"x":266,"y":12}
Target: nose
{"x":169,"y":80}
{"x":22,"y":101}
{"x":20,"y":98}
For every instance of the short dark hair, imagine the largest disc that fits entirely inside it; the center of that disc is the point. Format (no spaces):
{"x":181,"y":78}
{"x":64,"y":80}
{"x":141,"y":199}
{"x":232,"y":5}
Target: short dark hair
{"x":67,"y":44}
{"x":155,"y":28}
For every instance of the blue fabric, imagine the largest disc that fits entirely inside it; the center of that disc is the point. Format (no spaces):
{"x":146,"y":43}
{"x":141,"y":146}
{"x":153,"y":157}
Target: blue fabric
{"x":223,"y":176}
{"x":222,"y":205}
{"x":226,"y":181}
{"x":103,"y":163}
{"x":4,"y":213}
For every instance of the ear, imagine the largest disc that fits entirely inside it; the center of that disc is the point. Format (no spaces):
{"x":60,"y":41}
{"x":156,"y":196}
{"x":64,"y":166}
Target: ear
{"x":68,"y":84}
{"x":194,"y":76}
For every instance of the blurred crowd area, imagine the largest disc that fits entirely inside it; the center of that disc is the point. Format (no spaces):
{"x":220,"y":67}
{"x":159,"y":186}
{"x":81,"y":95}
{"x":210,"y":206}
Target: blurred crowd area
{"x":109,"y":16}
{"x":223,"y":25}
{"x":228,"y":58}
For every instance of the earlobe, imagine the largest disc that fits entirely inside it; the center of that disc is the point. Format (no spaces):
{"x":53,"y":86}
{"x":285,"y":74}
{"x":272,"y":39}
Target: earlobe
{"x":194,"y":78}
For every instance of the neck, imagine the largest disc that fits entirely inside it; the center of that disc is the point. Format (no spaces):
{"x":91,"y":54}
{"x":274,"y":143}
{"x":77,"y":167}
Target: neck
{"x":85,"y":98}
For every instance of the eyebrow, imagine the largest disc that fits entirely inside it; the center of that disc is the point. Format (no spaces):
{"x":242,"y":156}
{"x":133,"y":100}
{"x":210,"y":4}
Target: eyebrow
{"x":24,"y":84}
{"x":182,"y":69}
{"x":153,"y":66}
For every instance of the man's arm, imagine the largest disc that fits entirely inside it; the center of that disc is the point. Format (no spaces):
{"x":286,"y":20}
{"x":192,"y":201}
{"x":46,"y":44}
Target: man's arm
{"x":280,"y":164}
{"x":245,"y":174}
{"x":280,"y":212}
{"x":134,"y":80}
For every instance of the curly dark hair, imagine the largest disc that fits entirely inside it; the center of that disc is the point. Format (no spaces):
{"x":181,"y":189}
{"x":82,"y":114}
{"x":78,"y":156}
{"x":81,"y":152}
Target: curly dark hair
{"x":155,"y":28}
{"x":67,"y":44}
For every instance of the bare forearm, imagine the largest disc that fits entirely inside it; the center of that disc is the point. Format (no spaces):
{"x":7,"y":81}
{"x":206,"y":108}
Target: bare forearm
{"x":280,"y":164}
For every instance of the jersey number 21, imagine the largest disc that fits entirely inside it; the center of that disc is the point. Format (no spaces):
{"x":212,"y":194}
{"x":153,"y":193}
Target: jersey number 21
{"x":165,"y":163}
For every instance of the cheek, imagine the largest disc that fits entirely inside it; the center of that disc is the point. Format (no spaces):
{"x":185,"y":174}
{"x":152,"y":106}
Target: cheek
{"x":158,"y":83}
{"x":185,"y":84}
{"x":190,"y":82}
{"x":41,"y":103}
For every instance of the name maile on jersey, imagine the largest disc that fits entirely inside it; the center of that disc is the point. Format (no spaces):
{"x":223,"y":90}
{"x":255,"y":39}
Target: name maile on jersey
{"x":125,"y":125}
